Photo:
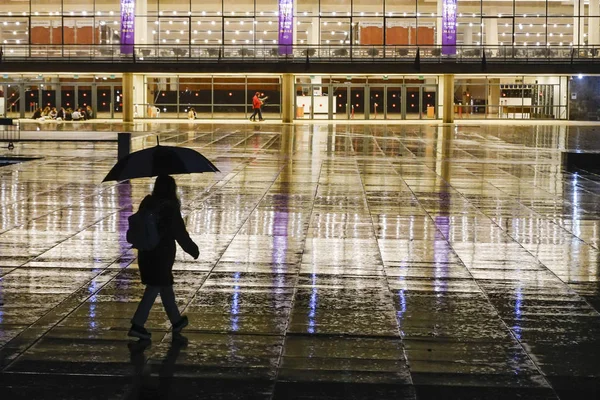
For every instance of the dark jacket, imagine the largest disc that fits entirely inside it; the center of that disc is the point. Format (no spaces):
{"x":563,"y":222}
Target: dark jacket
{"x":156,"y":265}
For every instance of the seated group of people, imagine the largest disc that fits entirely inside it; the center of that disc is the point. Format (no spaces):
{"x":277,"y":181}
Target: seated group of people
{"x":51,"y":113}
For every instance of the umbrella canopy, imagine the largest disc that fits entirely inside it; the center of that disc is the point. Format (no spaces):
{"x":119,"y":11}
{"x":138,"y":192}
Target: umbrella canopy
{"x":159,"y":160}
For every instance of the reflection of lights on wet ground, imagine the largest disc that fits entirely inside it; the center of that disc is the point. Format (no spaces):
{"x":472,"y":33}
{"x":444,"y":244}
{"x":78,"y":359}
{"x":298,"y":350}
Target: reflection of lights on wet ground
{"x":92,"y":288}
{"x":1,"y":300}
{"x":402,"y":309}
{"x":235,"y":303}
{"x":518,"y":304}
{"x":314,"y":298}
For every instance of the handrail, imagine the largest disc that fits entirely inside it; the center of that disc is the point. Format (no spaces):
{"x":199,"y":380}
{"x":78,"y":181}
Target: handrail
{"x":299,"y":53}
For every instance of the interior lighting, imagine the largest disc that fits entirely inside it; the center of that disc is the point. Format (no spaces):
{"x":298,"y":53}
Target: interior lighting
{"x":112,"y":13}
{"x":170,"y":22}
{"x":506,"y":25}
{"x":580,"y":76}
{"x":176,"y":40}
{"x":193,"y":41}
{"x":537,"y":43}
{"x":212,"y":22}
{"x":181,"y":32}
{"x":304,"y":13}
{"x":195,"y":31}
{"x":274,"y":41}
{"x":251,"y":32}
{"x":205,"y":40}
{"x":568,"y":25}
{"x":209,"y":32}
{"x":339,"y":23}
{"x":156,"y":22}
{"x":247,"y":41}
{"x":203,"y":12}
{"x":232,"y":40}
{"x":167,"y":31}
{"x":560,"y":44}
{"x":260,"y":41}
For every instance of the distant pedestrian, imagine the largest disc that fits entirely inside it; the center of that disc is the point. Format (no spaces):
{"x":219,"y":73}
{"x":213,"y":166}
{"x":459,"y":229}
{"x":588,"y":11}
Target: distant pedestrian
{"x":256,"y":105}
{"x":156,"y":265}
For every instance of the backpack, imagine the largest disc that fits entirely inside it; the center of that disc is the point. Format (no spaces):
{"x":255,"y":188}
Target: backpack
{"x":143,"y":229}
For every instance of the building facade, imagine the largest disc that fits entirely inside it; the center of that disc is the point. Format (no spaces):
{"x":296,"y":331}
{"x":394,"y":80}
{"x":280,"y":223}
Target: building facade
{"x":346,"y":59}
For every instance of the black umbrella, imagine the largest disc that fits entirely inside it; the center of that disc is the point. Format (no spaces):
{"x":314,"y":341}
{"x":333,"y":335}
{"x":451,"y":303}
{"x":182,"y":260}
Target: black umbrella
{"x":159,"y":160}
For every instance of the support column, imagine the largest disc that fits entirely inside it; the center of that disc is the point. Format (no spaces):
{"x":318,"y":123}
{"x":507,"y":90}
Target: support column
{"x":493,"y":97}
{"x":438,"y":23}
{"x":491,"y":29}
{"x":578,"y":15}
{"x":468,"y":36}
{"x":594,"y":23}
{"x":127,"y":97}
{"x":287,"y":99}
{"x":447,"y":89}
{"x":139,"y":96}
{"x":141,"y":23}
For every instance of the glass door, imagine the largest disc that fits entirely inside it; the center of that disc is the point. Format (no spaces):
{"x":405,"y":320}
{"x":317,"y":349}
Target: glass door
{"x":394,"y":104}
{"x":377,"y":102}
{"x":339,"y":98}
{"x":413,"y":109}
{"x":104,"y":101}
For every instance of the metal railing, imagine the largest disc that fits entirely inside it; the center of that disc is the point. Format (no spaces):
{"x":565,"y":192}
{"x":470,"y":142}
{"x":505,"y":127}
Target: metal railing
{"x":299,"y":53}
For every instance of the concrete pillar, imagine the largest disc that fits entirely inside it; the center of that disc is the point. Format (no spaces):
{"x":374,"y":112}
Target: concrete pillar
{"x":141,"y":23}
{"x":438,"y":23}
{"x":493,"y":97}
{"x":578,"y":11}
{"x":139,"y":96}
{"x":313,"y":31}
{"x":490,"y":26}
{"x":287,"y":99}
{"x":127,"y":97}
{"x":447,"y":96}
{"x":468,"y":35}
{"x":594,"y":23}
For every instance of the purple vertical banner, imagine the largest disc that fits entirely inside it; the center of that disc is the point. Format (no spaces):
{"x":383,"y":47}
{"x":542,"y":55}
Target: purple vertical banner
{"x":127,"y":26}
{"x":286,"y":26}
{"x":449,"y":27}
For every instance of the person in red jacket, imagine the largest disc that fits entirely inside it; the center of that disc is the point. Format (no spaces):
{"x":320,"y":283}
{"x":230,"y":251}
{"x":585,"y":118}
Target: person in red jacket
{"x":256,"y":105}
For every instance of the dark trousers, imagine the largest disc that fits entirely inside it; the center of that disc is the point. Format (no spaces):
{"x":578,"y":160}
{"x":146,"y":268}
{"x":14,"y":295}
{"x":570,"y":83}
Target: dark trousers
{"x":256,"y":111}
{"x":168,"y":299}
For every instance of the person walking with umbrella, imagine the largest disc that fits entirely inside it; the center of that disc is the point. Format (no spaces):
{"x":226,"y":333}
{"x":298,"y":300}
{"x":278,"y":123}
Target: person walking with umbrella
{"x":156,"y":264}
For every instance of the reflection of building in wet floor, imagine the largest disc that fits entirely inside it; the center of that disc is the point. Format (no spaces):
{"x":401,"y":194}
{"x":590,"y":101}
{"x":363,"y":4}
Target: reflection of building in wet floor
{"x":386,"y":260}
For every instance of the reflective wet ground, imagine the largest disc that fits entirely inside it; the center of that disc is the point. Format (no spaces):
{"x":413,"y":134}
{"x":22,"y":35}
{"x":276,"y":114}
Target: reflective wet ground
{"x":337,"y":262}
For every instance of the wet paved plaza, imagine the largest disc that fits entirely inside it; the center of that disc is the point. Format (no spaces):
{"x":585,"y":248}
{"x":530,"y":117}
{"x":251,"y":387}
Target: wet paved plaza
{"x":336,"y":262}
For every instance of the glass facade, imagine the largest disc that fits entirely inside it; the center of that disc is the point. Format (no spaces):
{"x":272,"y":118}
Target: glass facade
{"x":186,"y":28}
{"x":340,"y":31}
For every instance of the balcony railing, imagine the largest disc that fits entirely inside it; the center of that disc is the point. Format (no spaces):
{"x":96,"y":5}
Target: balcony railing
{"x":299,"y":54}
